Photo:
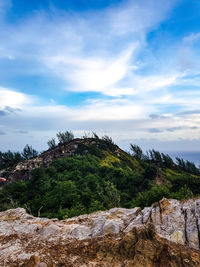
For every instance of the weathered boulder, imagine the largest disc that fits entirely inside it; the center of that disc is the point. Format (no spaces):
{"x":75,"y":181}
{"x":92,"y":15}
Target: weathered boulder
{"x":165,"y":234}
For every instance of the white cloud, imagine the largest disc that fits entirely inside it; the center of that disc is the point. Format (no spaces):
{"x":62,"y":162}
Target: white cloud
{"x":109,"y":110}
{"x":94,"y":74}
{"x":143,"y":84}
{"x":101,"y":53}
{"x":90,"y":52}
{"x":13,"y":99}
{"x":97,"y":75}
{"x":119,"y":118}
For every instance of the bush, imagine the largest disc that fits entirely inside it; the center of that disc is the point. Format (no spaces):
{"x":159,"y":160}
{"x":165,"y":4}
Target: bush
{"x":29,"y":152}
{"x":147,"y":198}
{"x":183,"y":193}
{"x":9,"y":159}
{"x":65,"y":137}
{"x":51,"y":143}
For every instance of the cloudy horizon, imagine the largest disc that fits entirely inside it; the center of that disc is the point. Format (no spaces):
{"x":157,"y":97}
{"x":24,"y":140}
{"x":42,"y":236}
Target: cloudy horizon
{"x":127,"y":69}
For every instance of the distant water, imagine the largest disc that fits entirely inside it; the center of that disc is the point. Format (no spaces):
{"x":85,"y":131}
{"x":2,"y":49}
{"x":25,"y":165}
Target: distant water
{"x":186,"y":155}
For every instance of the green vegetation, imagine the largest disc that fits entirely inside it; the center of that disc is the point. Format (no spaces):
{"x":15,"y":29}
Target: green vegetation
{"x":98,"y":177}
{"x":65,"y":137}
{"x":51,"y":143}
{"x":29,"y":152}
{"x":9,"y":159}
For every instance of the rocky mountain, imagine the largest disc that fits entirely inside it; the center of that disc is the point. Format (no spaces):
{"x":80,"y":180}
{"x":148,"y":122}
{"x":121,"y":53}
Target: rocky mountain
{"x":165,"y":234}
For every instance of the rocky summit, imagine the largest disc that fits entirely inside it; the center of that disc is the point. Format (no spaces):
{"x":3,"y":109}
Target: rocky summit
{"x":22,"y":170}
{"x":165,"y":234}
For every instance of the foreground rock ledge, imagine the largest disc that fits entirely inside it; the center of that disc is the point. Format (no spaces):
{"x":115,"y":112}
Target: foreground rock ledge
{"x":165,"y":234}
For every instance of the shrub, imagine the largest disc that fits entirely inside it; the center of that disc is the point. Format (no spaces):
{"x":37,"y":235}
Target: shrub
{"x":29,"y":152}
{"x":65,"y":137}
{"x":51,"y":143}
{"x":147,"y":198}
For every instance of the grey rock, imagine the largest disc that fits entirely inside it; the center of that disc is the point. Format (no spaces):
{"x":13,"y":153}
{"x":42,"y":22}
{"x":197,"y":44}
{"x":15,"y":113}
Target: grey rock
{"x":24,"y":237}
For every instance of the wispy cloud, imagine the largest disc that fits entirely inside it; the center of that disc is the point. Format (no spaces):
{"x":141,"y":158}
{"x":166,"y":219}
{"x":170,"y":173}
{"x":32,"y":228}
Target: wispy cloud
{"x":128,"y":18}
{"x":8,"y":110}
{"x":91,"y":53}
{"x":140,"y":90}
{"x":95,"y":74}
{"x":10,"y":100}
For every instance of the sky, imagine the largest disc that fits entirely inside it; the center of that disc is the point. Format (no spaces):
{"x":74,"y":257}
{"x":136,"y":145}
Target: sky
{"x":127,"y":69}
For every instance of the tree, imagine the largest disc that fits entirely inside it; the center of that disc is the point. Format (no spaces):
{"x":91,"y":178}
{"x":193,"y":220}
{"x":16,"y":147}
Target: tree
{"x":107,"y":143}
{"x":95,"y":136}
{"x":51,"y":143}
{"x":187,"y":166}
{"x":167,"y":161}
{"x":181,"y":163}
{"x":191,"y":168}
{"x":65,"y":137}
{"x":9,"y":159}
{"x":156,"y":157}
{"x":29,"y":152}
{"x":111,"y":196}
{"x":137,"y":151}
{"x":108,"y":139}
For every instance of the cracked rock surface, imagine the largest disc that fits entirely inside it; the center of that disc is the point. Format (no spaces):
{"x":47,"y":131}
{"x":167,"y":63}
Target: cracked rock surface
{"x":165,"y":234}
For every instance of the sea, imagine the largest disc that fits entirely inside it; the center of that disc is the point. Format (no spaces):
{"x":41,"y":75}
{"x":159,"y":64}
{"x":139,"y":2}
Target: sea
{"x":186,"y":155}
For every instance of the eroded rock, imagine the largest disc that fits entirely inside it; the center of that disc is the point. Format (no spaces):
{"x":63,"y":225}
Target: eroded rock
{"x":166,"y":234}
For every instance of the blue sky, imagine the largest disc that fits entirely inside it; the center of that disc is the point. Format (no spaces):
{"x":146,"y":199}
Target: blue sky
{"x":128,"y":69}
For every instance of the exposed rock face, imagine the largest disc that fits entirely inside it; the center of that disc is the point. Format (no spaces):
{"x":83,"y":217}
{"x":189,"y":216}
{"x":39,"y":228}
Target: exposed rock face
{"x":23,"y":170}
{"x":166,"y":234}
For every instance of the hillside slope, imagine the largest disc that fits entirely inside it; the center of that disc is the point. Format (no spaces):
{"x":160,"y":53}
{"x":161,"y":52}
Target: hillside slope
{"x":91,"y":174}
{"x":22,"y":171}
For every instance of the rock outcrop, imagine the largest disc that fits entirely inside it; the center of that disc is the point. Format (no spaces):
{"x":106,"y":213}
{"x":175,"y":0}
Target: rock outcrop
{"x":22,"y":171}
{"x":165,"y":234}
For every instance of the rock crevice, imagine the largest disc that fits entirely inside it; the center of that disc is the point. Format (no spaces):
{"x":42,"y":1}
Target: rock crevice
{"x":166,"y":234}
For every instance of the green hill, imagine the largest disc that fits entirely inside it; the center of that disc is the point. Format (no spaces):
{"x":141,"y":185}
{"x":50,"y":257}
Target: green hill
{"x":98,"y":176}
